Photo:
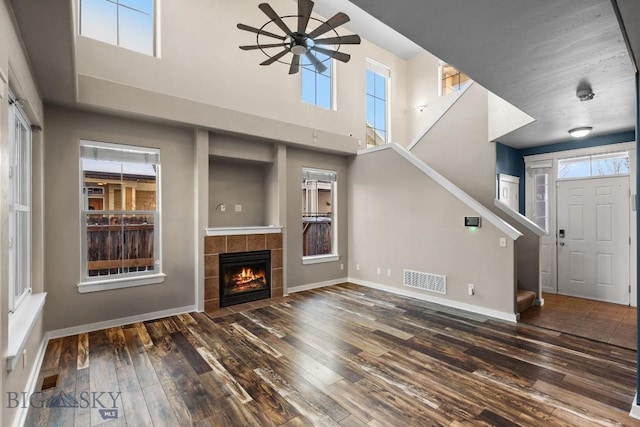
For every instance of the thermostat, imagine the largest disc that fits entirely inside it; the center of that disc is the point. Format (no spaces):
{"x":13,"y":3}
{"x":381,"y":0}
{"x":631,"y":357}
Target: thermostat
{"x":472,"y":221}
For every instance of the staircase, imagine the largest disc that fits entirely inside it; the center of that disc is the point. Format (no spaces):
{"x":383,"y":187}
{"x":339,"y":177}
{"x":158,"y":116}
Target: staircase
{"x":525,"y":300}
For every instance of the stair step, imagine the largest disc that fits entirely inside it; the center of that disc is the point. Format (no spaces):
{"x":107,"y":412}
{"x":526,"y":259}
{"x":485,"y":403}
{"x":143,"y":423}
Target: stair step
{"x":525,"y":299}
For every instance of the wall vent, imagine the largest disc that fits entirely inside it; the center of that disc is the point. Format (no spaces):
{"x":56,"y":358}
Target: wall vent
{"x":426,"y":281}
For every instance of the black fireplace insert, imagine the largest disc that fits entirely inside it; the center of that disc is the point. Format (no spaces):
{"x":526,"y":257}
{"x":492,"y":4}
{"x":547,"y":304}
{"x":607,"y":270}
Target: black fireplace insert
{"x":244,"y":277}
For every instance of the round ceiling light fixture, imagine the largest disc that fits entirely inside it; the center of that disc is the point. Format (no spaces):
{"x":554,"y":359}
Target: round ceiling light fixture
{"x":580,"y":132}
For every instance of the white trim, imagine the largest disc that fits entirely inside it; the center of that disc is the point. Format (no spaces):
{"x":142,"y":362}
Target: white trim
{"x":635,"y":408}
{"x":521,"y":219}
{"x":120,"y":282}
{"x":465,"y":198}
{"x":319,"y":259}
{"x":317,"y":285}
{"x":509,"y":317}
{"x":237,"y":231}
{"x":598,"y":149}
{"x":451,"y":101}
{"x":90,"y":327}
{"x":32,"y":382}
{"x":21,"y":323}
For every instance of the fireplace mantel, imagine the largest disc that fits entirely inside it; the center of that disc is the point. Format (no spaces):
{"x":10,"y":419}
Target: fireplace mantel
{"x":238,"y":231}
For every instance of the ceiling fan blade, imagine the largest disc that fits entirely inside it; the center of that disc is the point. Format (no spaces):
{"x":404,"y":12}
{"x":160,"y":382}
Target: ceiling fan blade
{"x":340,"y":56}
{"x":295,"y":64}
{"x":305,"y":7}
{"x":261,"y":46}
{"x":320,"y":67}
{"x":268,"y":10}
{"x":275,"y":57}
{"x":337,"y":20}
{"x":350,"y":39}
{"x":259,"y":31}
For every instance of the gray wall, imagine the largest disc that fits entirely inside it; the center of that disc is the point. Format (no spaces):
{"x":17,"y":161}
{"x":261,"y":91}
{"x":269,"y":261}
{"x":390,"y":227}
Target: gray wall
{"x":65,"y":306}
{"x":236,"y":183}
{"x":297,"y":273}
{"x":401,"y":219}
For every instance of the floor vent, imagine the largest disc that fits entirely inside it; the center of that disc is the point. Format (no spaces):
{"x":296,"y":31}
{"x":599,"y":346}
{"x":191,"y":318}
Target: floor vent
{"x":426,"y":281}
{"x":49,"y":382}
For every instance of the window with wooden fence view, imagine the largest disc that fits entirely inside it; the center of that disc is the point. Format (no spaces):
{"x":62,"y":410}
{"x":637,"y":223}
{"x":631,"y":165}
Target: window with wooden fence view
{"x":120,"y":211}
{"x":318,"y":211}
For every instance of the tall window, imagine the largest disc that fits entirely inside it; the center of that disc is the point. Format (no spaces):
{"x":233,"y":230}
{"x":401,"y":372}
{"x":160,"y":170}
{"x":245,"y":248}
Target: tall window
{"x":319,"y":236}
{"x":19,"y":205}
{"x":120,"y":211}
{"x":317,"y":88}
{"x":125,"y":23}
{"x":452,"y":80}
{"x":377,"y":104}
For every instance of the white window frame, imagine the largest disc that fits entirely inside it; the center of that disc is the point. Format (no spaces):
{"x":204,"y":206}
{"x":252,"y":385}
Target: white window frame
{"x":334,"y":255}
{"x":332,"y":77}
{"x":129,"y":279}
{"x":383,"y":70}
{"x":155,"y":30}
{"x":19,"y":268}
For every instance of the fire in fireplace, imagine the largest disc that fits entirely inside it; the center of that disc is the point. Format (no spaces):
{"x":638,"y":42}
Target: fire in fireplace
{"x":244,"y":277}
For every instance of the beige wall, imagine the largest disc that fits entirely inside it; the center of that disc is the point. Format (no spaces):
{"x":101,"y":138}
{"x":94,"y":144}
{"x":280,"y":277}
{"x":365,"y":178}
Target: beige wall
{"x":297,"y":273}
{"x":401,"y":219}
{"x":196,"y":40}
{"x":234,"y":182}
{"x":65,"y":306}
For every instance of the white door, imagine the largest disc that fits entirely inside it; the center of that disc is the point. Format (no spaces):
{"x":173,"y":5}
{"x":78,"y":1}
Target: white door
{"x":593,"y":239}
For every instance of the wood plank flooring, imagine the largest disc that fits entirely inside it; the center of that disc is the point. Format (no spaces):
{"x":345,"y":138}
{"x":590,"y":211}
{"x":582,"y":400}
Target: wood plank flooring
{"x":338,"y":356}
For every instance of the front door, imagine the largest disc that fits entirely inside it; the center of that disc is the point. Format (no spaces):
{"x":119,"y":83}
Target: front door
{"x":593,"y":239}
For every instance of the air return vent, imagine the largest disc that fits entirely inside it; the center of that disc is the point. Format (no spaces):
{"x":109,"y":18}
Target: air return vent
{"x":426,"y":281}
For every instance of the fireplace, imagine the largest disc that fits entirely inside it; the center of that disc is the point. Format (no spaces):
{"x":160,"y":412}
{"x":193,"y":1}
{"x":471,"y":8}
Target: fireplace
{"x":244,"y":277}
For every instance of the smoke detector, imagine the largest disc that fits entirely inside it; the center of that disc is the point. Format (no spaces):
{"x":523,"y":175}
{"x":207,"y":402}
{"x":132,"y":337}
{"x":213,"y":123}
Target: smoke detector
{"x":585,"y":94}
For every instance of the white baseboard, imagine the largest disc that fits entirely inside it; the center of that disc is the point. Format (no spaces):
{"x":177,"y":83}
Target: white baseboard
{"x":317,"y":285}
{"x":635,"y":408}
{"x":32,"y":382}
{"x":509,"y":317}
{"x":74,"y":330}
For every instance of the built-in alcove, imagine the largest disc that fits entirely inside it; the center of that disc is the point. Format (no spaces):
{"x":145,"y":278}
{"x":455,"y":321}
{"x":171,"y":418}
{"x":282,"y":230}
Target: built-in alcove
{"x":237,"y":192}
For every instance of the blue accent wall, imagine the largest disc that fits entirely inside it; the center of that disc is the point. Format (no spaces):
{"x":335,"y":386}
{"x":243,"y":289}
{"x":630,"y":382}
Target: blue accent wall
{"x":510,"y":161}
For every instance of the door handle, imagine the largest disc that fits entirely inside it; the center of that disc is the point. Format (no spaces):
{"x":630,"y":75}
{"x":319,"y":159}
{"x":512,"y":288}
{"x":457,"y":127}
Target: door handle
{"x":561,"y":243}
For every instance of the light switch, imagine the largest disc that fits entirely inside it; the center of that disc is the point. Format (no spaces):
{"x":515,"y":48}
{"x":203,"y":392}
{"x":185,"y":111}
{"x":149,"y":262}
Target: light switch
{"x":238,"y":208}
{"x":503,"y":242}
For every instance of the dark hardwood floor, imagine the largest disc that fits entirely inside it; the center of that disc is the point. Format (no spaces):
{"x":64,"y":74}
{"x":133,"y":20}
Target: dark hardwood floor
{"x":337,"y":356}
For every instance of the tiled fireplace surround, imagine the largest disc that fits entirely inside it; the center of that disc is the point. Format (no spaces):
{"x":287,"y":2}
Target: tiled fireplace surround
{"x":216,"y":245}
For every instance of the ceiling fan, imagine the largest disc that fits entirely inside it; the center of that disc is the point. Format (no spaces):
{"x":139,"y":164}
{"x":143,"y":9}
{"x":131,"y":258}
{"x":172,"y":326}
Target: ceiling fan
{"x":299,"y":41}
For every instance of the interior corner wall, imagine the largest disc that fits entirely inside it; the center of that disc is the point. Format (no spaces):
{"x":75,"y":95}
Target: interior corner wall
{"x":457,"y":147}
{"x":15,"y":74}
{"x":66,"y":307}
{"x":401,"y":219}
{"x":299,"y":274}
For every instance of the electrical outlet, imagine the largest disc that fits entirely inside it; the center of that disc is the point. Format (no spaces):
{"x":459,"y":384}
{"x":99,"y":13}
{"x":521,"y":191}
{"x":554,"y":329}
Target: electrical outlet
{"x":472,"y":289}
{"x":388,"y":272}
{"x":358,"y":267}
{"x":378,"y":270}
{"x":341,"y":266}
{"x":238,"y":208}
{"x":503,"y":242}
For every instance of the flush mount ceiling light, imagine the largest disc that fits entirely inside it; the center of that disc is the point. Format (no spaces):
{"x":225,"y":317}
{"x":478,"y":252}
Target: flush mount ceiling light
{"x":580,"y":132}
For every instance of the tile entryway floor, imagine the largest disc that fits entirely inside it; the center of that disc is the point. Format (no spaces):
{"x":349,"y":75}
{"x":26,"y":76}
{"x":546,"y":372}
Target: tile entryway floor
{"x":600,"y":321}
